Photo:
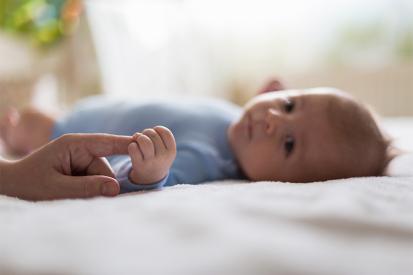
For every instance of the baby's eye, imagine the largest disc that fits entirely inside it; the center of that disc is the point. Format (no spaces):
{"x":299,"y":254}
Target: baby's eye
{"x":289,"y":106}
{"x":289,"y":146}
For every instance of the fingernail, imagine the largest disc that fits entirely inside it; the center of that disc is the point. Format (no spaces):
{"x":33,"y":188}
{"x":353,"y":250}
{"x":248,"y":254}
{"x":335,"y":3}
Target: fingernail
{"x":109,"y":189}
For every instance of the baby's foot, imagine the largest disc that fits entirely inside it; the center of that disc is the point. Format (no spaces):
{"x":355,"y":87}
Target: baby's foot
{"x":24,"y":132}
{"x":272,"y":85}
{"x":8,"y":133}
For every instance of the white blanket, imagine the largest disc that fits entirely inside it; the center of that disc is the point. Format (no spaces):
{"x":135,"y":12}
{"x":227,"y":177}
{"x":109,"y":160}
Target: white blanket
{"x":353,"y":226}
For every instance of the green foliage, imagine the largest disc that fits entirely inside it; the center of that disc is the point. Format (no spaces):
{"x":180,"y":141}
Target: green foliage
{"x":361,"y":41}
{"x":363,"y":36}
{"x":40,"y":21}
{"x":405,"y":46}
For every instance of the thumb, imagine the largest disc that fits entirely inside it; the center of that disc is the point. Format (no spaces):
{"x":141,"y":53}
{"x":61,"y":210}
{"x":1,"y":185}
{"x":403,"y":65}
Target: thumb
{"x":100,"y":166}
{"x":89,"y":186}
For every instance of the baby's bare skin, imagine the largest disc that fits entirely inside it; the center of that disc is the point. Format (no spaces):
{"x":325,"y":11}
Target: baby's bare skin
{"x":23,"y":132}
{"x":152,"y":154}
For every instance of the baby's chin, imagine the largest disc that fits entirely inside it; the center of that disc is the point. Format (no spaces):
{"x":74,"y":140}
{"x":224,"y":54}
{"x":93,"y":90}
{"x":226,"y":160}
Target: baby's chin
{"x":234,"y":138}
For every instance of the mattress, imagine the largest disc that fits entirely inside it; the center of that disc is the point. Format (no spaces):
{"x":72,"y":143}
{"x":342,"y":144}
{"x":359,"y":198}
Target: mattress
{"x":350,"y":226}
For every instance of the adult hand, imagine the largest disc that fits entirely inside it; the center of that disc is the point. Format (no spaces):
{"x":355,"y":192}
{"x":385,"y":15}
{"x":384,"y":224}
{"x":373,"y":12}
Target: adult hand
{"x":71,"y":166}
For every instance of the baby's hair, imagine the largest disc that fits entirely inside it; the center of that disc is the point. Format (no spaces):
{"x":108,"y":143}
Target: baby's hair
{"x":362,"y":143}
{"x":391,"y":150}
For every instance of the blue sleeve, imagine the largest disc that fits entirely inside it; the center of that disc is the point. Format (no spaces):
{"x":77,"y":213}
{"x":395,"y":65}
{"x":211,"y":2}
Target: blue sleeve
{"x":122,"y":165}
{"x":195,"y":163}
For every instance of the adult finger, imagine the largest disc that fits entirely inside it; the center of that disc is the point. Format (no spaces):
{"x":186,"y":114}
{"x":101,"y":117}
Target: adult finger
{"x":100,"y":166}
{"x":87,"y":186}
{"x":99,"y":145}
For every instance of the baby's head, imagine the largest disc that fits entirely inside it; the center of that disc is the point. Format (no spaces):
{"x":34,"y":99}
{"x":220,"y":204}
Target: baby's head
{"x":307,"y":135}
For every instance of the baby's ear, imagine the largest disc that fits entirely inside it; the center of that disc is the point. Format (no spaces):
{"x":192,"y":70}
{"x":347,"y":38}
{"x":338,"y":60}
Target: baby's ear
{"x":272,"y":85}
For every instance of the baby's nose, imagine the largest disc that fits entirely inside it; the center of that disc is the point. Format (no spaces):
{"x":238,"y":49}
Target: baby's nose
{"x":273,"y":119}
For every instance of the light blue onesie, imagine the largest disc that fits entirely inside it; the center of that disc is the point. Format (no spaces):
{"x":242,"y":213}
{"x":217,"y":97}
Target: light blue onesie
{"x":199,"y":126}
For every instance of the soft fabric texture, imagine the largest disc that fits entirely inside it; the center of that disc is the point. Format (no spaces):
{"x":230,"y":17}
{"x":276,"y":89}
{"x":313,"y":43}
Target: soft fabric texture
{"x":350,"y":226}
{"x":355,"y":226}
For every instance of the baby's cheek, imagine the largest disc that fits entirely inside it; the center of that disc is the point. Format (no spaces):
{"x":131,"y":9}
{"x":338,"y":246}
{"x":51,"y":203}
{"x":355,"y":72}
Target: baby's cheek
{"x":259,"y":167}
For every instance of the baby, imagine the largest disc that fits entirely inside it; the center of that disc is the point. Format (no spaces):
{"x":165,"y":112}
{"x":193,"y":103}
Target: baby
{"x":288,"y":135}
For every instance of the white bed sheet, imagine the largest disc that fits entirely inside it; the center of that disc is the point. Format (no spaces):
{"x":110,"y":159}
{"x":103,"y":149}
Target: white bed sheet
{"x":353,"y":226}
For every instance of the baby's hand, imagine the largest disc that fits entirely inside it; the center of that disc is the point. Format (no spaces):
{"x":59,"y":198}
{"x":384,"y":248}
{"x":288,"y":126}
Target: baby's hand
{"x":152,"y":153}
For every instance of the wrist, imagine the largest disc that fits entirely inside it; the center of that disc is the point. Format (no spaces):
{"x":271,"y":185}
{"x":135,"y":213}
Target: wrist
{"x":145,"y":180}
{"x":131,"y":186}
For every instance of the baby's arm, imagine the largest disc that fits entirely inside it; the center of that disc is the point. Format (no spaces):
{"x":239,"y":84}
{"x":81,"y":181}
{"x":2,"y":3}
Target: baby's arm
{"x":152,"y":154}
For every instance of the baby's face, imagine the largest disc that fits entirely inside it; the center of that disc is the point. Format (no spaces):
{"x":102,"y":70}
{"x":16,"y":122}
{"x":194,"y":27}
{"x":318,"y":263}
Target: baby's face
{"x":286,"y":136}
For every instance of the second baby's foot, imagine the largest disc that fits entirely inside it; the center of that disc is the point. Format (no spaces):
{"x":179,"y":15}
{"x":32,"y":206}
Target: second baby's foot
{"x":24,"y":132}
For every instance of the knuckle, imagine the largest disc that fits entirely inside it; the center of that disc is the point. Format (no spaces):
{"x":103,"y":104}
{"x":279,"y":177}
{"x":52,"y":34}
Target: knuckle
{"x":144,"y":147}
{"x":160,"y":128}
{"x":142,"y":139}
{"x":67,"y":137}
{"x":167,"y":136}
{"x":149,"y":132}
{"x":163,"y":131}
{"x":131,"y":147}
{"x":136,"y":135}
{"x":145,"y":143}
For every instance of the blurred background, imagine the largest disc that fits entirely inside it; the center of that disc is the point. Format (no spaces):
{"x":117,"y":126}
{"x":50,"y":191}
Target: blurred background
{"x":54,"y":52}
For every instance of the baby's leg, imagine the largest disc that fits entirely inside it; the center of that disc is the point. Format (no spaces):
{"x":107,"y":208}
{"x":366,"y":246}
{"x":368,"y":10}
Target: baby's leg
{"x":25,"y":131}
